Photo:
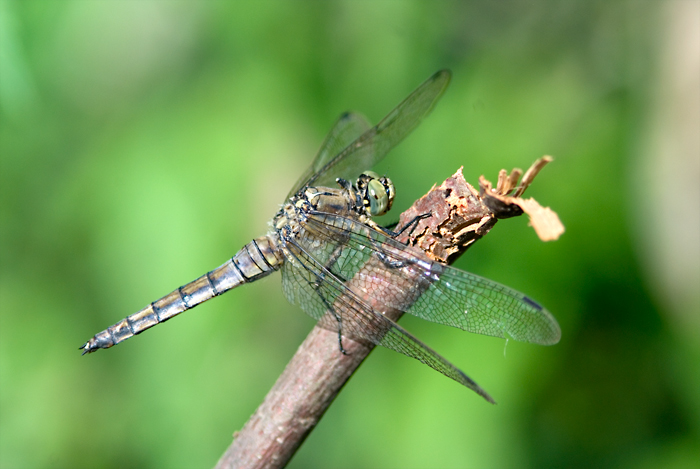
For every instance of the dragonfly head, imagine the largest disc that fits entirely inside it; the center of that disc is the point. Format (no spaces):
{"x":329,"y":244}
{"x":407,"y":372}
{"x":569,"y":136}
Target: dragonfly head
{"x":377,"y":193}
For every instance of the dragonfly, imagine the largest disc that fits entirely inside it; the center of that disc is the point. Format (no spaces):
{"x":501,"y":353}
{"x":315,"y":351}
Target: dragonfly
{"x":345,"y":270}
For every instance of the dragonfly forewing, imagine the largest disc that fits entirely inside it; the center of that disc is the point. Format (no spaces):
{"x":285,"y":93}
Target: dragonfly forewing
{"x":369,"y":148}
{"x":348,"y":127}
{"x":448,"y":295}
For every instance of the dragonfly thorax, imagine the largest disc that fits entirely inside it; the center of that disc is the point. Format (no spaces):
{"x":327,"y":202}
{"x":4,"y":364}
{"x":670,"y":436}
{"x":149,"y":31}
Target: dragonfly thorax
{"x":372,"y":195}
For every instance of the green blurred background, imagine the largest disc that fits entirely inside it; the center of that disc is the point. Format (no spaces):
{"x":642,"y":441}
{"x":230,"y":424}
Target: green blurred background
{"x":143,"y":143}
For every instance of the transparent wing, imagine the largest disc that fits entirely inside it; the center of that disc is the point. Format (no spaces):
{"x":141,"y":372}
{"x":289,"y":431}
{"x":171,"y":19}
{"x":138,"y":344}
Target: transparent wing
{"x":411,"y":283}
{"x":346,"y":130}
{"x":370,"y":147}
{"x":326,"y":297}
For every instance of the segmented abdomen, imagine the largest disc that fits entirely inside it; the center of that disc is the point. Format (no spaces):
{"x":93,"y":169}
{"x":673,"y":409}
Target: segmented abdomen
{"x":257,"y":259}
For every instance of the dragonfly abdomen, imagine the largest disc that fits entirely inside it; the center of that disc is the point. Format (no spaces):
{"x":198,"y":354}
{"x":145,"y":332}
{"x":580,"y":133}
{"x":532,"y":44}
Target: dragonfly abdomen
{"x":257,"y":259}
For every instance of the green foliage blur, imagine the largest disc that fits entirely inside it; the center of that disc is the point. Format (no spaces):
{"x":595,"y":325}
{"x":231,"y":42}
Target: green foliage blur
{"x":143,"y":143}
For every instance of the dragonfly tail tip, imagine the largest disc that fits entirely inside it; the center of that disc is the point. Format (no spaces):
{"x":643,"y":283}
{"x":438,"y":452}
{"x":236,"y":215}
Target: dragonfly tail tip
{"x":85,"y":348}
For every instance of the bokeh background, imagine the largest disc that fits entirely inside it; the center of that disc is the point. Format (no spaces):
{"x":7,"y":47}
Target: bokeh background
{"x":144,"y":142}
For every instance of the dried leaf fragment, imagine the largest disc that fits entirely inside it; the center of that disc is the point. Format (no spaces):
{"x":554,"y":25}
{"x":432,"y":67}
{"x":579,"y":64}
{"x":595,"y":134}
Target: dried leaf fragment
{"x":544,"y":220}
{"x":451,"y":217}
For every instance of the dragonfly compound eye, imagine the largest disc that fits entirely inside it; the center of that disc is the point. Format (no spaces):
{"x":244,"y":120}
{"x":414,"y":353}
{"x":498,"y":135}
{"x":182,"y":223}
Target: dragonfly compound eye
{"x":377,"y":193}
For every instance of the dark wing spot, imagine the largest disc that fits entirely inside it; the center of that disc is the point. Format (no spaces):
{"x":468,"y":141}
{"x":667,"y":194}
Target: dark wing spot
{"x":532,"y":303}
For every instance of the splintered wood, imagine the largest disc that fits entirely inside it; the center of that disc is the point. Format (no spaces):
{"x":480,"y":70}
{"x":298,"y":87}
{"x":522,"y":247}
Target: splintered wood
{"x":451,"y":217}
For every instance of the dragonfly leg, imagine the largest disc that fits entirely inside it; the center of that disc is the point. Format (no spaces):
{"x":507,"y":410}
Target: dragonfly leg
{"x":339,"y":320}
{"x":413,"y":223}
{"x":337,"y":316}
{"x":391,"y":263}
{"x":340,"y":340}
{"x":386,"y":260}
{"x":389,"y":229}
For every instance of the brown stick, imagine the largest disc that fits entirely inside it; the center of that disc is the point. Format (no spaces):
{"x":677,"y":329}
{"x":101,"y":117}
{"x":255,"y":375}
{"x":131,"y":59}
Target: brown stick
{"x":318,"y":371}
